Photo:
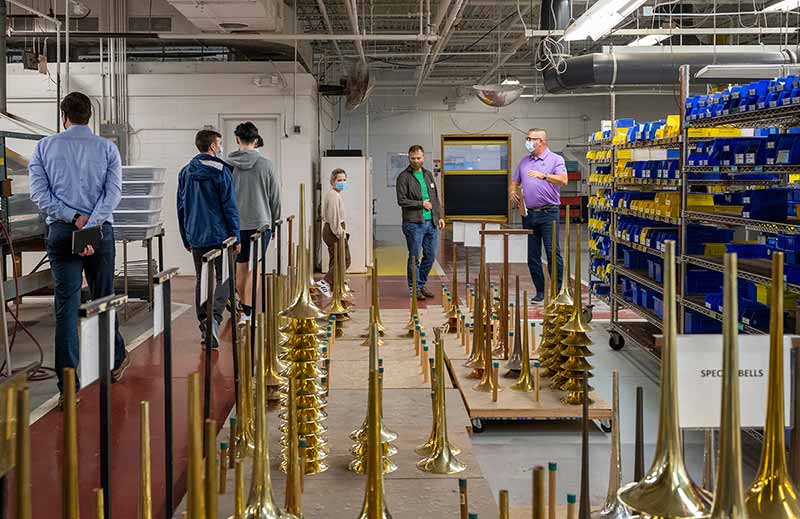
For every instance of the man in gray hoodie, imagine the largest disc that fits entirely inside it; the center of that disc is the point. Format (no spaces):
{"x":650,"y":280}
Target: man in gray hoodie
{"x":258,"y":197}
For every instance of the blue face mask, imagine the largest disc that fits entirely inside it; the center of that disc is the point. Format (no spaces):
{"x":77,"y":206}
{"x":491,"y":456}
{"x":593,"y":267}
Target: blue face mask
{"x":341,"y":185}
{"x":529,"y":146}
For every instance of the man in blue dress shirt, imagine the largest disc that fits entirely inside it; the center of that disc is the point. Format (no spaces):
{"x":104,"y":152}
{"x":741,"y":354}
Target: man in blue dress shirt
{"x":76,"y":180}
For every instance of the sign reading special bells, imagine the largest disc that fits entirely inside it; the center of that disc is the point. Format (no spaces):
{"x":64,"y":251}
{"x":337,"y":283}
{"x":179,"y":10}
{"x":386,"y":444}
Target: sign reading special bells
{"x":699,"y":359}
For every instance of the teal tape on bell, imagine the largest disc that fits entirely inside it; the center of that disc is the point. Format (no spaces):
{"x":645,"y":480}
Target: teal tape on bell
{"x":552,"y":466}
{"x":462,"y":484}
{"x":223,"y":445}
{"x":232,"y":421}
{"x":572,"y":499}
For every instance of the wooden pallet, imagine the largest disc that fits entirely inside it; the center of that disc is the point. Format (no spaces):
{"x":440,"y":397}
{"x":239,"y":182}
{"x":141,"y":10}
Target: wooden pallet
{"x":514,"y":405}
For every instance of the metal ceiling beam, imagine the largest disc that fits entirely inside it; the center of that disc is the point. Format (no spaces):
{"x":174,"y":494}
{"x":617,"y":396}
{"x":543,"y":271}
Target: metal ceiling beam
{"x":518,"y":43}
{"x":351,"y":13}
{"x":324,"y":12}
{"x":443,"y":5}
{"x":448,"y":26}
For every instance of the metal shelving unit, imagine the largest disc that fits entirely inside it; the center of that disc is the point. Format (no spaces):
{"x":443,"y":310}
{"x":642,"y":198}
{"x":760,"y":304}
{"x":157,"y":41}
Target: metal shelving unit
{"x":595,"y":211}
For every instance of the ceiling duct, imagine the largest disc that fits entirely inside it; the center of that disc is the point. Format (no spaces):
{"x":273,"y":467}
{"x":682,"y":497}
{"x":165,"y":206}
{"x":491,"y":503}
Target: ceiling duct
{"x":555,"y":14}
{"x":233,"y":15}
{"x":653,"y":66}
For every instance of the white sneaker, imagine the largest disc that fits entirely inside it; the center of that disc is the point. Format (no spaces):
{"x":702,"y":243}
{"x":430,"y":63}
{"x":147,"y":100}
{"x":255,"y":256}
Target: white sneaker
{"x":325,"y":291}
{"x":244,"y":319}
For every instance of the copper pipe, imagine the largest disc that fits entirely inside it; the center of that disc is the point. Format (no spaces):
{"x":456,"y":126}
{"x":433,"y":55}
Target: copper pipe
{"x":238,"y":496}
{"x":572,"y":509}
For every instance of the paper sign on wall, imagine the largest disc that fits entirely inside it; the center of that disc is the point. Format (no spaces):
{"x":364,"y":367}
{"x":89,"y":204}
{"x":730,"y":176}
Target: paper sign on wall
{"x":89,"y":367}
{"x":458,"y":232}
{"x":699,"y":362}
{"x":158,"y":309}
{"x":204,"y":283}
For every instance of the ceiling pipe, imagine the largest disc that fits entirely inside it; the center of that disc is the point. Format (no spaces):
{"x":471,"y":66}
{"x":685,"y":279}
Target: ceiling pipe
{"x":518,"y":44}
{"x":625,"y":67}
{"x":434,"y":28}
{"x":351,"y":13}
{"x":445,"y":35}
{"x":263,"y":36}
{"x":324,"y":12}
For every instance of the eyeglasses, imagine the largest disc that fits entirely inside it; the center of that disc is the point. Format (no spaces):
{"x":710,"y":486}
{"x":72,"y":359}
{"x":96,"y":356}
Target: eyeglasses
{"x":533,"y":139}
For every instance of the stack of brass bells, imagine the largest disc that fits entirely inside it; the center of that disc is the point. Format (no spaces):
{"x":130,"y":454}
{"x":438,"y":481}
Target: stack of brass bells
{"x":360,"y":449}
{"x":551,"y":351}
{"x":303,"y":358}
{"x":440,"y":454}
{"x":338,"y":307}
{"x":576,"y":345}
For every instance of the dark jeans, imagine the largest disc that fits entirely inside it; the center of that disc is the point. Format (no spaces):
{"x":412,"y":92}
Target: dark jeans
{"x":420,"y":236}
{"x":541,"y":222}
{"x":68,"y":270}
{"x":330,"y":240}
{"x":221,"y":290}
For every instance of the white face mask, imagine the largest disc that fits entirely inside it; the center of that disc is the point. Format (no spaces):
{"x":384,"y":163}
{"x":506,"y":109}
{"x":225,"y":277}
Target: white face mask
{"x":529,"y":146}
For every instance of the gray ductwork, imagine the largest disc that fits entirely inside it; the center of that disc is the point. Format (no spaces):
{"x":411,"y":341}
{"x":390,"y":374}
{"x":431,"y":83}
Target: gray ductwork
{"x":555,"y":14}
{"x":627,"y":67}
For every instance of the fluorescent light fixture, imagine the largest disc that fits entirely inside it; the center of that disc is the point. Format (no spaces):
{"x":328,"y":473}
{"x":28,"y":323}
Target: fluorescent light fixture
{"x":527,"y":95}
{"x":734,"y":73}
{"x":648,"y":41}
{"x":782,"y":6}
{"x":600,"y":19}
{"x":510,"y":81}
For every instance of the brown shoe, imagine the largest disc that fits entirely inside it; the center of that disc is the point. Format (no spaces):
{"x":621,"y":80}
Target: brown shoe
{"x":116,"y":374}
{"x":61,"y":401}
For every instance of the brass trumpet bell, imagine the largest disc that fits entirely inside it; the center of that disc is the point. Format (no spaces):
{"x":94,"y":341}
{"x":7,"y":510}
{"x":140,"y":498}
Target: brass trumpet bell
{"x":667,"y":491}
{"x":773,"y":494}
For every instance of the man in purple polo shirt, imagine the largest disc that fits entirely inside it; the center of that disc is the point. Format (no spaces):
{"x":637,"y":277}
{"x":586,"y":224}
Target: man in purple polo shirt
{"x":541,"y":175}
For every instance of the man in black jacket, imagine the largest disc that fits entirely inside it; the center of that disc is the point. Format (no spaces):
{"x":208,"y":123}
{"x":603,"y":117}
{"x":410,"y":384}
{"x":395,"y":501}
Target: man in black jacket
{"x":422,"y":218}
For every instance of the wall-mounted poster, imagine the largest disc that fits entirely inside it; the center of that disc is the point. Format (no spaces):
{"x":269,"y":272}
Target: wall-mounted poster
{"x":395,"y":163}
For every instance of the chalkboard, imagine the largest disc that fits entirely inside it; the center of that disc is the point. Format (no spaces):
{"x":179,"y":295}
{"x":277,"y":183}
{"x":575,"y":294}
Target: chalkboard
{"x":475,"y":195}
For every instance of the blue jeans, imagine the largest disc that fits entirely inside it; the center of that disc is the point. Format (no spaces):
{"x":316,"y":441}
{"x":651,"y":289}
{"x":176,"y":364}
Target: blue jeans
{"x":68,"y":270}
{"x":541,"y":222}
{"x":420,"y":236}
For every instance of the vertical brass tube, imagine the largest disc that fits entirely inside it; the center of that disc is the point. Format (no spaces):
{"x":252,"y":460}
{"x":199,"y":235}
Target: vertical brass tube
{"x":99,"y":504}
{"x":70,"y":463}
{"x":293,"y":501}
{"x":145,"y":493}
{"x":503,"y":505}
{"x":729,"y":496}
{"x":463,"y":498}
{"x":572,"y":508}
{"x":23,"y":466}
{"x":538,"y":508}
{"x":211,"y":477}
{"x":552,"y":474}
{"x":195,"y":502}
{"x":772,"y":494}
{"x":223,"y":468}
{"x":238,"y":496}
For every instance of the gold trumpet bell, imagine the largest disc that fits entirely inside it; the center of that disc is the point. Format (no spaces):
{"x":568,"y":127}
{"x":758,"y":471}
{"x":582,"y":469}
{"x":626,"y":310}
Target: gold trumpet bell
{"x":442,"y":460}
{"x":772,"y":494}
{"x":359,"y":466}
{"x":667,"y":491}
{"x":360,"y":449}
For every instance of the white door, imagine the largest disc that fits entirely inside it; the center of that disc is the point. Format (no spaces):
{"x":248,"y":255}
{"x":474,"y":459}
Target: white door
{"x":268,"y":130}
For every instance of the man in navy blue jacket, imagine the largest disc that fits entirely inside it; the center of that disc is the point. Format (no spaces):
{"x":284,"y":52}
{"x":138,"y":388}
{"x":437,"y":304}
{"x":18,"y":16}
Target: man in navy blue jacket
{"x":207,"y":216}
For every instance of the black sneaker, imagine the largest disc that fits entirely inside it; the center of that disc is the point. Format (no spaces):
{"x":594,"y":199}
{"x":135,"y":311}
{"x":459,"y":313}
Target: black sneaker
{"x":61,"y":401}
{"x":537,"y":299}
{"x":427,"y":293}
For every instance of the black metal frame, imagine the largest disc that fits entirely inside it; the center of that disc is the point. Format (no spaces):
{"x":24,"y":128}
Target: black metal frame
{"x":101,"y":307}
{"x":164,"y":279}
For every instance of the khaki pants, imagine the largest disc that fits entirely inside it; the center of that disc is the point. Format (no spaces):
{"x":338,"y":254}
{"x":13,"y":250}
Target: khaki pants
{"x":330,"y":240}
